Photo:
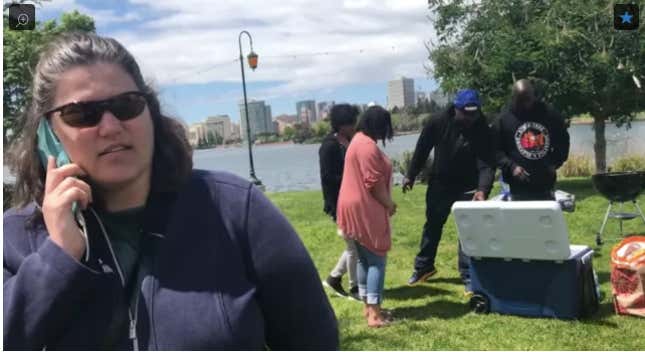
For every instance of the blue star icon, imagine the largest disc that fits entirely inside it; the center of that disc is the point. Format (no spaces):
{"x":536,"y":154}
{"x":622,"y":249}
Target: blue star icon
{"x":626,"y":17}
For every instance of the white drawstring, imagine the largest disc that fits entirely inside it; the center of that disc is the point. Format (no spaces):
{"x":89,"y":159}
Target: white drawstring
{"x":81,"y":221}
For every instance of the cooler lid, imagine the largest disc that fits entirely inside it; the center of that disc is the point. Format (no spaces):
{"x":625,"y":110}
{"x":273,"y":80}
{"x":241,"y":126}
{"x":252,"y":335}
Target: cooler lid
{"x":522,"y":230}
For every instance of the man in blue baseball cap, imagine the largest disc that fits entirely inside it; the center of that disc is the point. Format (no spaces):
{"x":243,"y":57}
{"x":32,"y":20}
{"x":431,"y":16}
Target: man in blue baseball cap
{"x":462,"y":169}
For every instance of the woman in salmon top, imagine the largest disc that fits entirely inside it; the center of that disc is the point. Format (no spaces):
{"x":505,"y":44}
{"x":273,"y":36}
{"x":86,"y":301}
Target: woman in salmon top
{"x":365,"y":206}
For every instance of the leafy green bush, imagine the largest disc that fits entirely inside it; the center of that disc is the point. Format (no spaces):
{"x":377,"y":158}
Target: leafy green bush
{"x":577,"y":166}
{"x":632,"y":162}
{"x":402,"y":164}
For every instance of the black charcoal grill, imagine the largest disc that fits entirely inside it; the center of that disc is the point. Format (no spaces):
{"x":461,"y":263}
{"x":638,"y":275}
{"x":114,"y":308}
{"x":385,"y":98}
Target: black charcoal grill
{"x":619,"y":187}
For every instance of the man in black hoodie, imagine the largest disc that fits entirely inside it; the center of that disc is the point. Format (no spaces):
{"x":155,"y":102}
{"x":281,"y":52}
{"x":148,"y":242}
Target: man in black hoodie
{"x":463,"y":169}
{"x":532,"y":143}
{"x":332,"y":159}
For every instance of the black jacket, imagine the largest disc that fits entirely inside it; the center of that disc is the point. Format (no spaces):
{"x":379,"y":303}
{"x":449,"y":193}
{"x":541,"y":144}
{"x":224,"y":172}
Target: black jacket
{"x":332,"y":159}
{"x":463,"y":157}
{"x":537,"y":140}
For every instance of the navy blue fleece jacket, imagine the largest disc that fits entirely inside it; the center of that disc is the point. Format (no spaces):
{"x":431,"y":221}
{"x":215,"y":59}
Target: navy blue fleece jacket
{"x":227,"y":272}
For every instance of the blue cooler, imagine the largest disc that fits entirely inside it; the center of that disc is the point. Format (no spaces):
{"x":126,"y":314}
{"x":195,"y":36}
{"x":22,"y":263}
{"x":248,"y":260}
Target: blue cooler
{"x":537,"y":288}
{"x":521,"y":261}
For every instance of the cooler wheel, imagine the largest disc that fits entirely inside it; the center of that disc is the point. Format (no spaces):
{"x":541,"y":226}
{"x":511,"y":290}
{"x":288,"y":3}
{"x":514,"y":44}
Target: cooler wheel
{"x":479,"y":303}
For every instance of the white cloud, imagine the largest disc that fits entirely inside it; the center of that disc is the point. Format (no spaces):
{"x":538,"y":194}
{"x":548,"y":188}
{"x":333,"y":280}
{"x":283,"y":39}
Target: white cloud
{"x":100,"y":16}
{"x":197,"y":41}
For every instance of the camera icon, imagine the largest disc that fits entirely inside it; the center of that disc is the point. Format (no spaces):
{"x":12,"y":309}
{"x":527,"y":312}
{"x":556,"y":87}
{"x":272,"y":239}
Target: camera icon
{"x":22,"y":17}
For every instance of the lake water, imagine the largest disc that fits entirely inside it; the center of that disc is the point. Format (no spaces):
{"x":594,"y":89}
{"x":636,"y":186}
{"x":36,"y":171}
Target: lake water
{"x":295,"y":167}
{"x":289,"y":167}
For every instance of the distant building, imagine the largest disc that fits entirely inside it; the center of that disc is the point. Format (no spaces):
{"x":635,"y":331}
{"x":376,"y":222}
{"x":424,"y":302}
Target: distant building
{"x":235,"y":132}
{"x":324,"y":107}
{"x":259,"y":119}
{"x":221,"y":125}
{"x":196,"y":133}
{"x":269,"y":120}
{"x":292,"y":119}
{"x":306,"y":111}
{"x":214,"y":125}
{"x":284,"y":121}
{"x":400,"y":93}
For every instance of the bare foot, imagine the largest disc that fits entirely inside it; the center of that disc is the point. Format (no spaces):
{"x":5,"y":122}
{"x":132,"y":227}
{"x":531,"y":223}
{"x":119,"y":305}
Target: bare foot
{"x":377,"y":322}
{"x":375,"y":318}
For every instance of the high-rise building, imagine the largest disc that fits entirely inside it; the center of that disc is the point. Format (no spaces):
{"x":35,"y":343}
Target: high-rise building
{"x":270,"y":127}
{"x":324,"y":107}
{"x":400,"y":93}
{"x":306,"y":111}
{"x":259,"y":119}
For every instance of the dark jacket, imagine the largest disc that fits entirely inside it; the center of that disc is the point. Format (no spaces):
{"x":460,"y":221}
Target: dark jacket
{"x":228,"y":272}
{"x":537,"y":140}
{"x":463,"y":157}
{"x":332,"y":159}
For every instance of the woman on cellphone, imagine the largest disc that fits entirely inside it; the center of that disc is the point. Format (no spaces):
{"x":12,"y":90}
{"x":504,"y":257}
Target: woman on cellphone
{"x":174,"y":258}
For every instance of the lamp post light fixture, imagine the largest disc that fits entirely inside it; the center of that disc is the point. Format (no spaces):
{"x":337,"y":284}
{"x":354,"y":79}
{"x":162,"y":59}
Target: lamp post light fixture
{"x":253,"y":63}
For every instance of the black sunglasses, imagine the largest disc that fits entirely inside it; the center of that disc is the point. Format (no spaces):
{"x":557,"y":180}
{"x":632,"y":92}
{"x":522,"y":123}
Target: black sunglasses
{"x":124,"y":106}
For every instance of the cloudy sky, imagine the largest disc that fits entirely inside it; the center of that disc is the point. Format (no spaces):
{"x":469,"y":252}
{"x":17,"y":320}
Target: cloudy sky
{"x":342,"y":50}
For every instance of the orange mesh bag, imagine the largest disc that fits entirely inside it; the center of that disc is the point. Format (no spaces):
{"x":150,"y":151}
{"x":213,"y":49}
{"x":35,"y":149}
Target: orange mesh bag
{"x":628,"y":286}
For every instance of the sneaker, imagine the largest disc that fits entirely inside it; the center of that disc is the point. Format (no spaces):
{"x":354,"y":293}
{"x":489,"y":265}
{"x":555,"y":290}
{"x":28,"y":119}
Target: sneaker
{"x":335,"y":284}
{"x":468,"y":291}
{"x":421,"y":275}
{"x":353,"y":294}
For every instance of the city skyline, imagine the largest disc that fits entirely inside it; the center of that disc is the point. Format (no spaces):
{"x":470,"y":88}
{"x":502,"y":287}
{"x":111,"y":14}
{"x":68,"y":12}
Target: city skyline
{"x":188,"y":50}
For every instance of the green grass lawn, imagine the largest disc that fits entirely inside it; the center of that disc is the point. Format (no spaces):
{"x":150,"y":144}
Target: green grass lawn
{"x":435,"y":315}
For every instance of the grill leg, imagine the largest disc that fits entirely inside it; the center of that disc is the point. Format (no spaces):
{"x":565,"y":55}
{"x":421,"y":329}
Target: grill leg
{"x":639,"y":210}
{"x":602,"y":227}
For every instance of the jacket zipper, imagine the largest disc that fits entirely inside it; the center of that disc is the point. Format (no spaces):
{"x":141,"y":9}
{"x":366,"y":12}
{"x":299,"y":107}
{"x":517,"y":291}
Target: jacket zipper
{"x":132,"y":316}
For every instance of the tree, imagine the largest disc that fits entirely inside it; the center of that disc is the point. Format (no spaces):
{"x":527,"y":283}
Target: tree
{"x":20,"y":57}
{"x":568,"y":48}
{"x":288,"y":133}
{"x":302,"y":132}
{"x":321,"y":128}
{"x":219,"y":140}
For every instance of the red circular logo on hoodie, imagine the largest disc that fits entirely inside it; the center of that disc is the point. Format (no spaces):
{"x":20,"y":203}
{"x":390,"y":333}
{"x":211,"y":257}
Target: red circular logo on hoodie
{"x":532,"y":140}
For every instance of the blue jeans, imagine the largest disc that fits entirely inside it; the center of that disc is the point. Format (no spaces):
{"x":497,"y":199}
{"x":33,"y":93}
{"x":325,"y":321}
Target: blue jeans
{"x":370,"y":275}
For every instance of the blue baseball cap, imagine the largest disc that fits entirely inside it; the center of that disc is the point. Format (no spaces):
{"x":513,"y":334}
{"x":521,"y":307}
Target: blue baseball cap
{"x":467,"y":100}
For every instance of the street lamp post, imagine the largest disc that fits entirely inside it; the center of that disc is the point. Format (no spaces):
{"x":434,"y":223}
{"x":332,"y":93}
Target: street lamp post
{"x":253,"y":63}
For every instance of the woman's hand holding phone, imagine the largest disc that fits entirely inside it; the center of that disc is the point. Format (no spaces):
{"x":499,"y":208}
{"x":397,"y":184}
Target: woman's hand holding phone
{"x":62,"y":189}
